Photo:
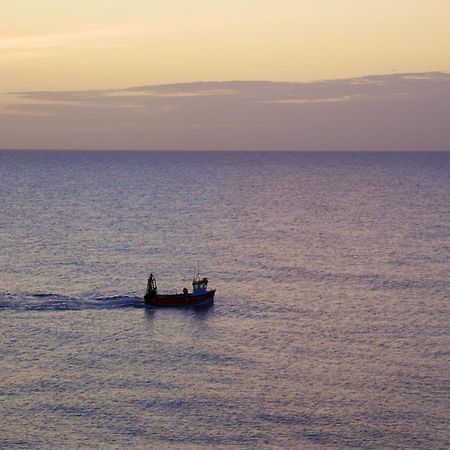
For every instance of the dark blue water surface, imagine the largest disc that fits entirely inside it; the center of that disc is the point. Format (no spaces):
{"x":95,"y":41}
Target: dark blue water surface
{"x":331,"y":322}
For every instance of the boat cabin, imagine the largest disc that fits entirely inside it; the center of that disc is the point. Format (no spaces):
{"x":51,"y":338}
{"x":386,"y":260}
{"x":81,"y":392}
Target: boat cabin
{"x":199,"y":286}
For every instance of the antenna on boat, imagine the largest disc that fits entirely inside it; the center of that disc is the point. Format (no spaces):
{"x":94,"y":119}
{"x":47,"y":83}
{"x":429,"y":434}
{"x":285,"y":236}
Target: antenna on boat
{"x":197,"y":275}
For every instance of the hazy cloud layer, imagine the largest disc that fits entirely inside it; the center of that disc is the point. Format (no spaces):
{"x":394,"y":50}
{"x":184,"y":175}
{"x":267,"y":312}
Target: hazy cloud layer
{"x":390,"y":112}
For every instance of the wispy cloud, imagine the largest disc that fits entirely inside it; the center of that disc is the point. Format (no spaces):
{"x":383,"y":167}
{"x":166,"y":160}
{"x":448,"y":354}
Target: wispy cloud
{"x":14,"y":45}
{"x":366,"y":89}
{"x":170,"y":93}
{"x":302,"y":101}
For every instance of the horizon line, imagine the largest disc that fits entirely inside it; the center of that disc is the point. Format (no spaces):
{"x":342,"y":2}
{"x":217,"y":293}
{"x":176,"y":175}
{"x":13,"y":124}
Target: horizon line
{"x":116,"y":150}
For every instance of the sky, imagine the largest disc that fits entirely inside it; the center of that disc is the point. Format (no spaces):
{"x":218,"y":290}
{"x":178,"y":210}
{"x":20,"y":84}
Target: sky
{"x":63,"y":62}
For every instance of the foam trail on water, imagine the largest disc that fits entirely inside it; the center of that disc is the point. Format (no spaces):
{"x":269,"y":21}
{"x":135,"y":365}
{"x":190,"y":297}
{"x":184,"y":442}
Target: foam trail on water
{"x":57,"y":302}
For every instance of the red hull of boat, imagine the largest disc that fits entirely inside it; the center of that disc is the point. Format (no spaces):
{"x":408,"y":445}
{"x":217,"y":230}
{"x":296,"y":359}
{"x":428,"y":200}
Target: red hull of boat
{"x":181,"y":299}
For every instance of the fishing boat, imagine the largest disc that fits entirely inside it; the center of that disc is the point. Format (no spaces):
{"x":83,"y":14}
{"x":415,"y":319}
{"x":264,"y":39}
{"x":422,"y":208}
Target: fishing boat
{"x":200,"y":295}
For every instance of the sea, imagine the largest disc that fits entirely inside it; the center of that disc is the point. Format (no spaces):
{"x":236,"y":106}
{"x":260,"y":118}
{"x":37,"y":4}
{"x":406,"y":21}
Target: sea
{"x":331,"y":322}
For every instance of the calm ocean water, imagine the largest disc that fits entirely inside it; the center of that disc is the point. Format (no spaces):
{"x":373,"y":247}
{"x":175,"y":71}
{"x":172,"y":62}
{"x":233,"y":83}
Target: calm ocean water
{"x":331,"y":322}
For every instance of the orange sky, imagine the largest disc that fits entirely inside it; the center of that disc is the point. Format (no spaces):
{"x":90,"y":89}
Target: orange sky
{"x":64,"y":45}
{"x":54,"y":44}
